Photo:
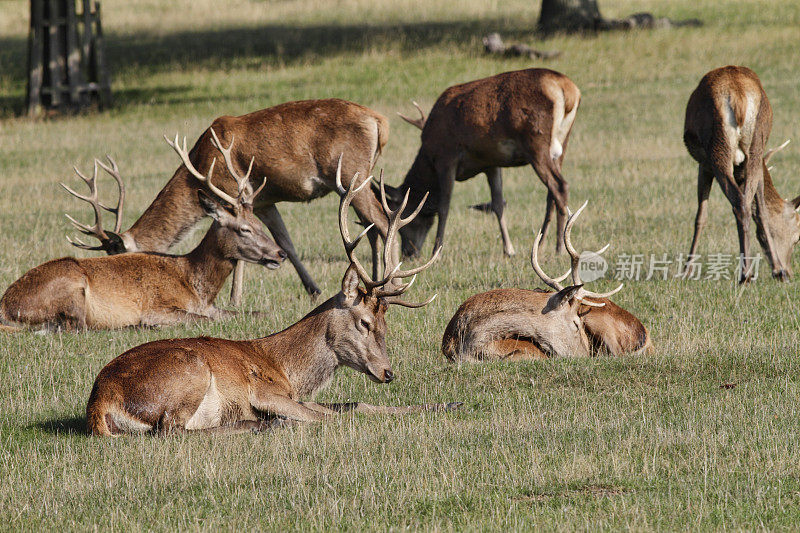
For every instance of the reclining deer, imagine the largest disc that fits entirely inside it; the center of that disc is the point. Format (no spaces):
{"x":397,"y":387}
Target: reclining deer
{"x":296,"y":146}
{"x":143,"y":289}
{"x":508,"y":120}
{"x":229,"y":386}
{"x":728,"y":122}
{"x":519,"y":324}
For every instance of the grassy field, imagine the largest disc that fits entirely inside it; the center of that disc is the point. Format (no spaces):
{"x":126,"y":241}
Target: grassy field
{"x":645,"y":442}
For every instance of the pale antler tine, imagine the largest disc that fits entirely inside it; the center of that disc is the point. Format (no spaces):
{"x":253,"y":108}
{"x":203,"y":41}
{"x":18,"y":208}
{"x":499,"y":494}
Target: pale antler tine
{"x":113,"y":170}
{"x":414,"y":305}
{"x":603,"y":249}
{"x":771,"y":152}
{"x":584,"y":301}
{"x":83,"y":228}
{"x":257,"y":191}
{"x":339,"y":186}
{"x":75,"y":194}
{"x":604,"y":294}
{"x":384,"y":201}
{"x":550,"y":282}
{"x":405,"y":221}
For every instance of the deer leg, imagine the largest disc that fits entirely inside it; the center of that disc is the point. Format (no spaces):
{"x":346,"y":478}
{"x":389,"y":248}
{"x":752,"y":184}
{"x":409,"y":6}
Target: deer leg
{"x":548,"y":216}
{"x":237,"y":285}
{"x":447,"y":178}
{"x":495,"y":178}
{"x":369,"y":211}
{"x":742,"y":211}
{"x":365,"y":408}
{"x":272,"y":219}
{"x":178,"y":316}
{"x":547,"y":170}
{"x":705,"y":178}
{"x":283,"y":406}
{"x":763,"y":225}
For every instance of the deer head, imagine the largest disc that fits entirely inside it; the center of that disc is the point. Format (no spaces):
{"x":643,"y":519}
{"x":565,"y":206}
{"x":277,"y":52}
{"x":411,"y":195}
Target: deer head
{"x":562,"y":327}
{"x":784,"y":224}
{"x":240,"y":235}
{"x":357,"y":330}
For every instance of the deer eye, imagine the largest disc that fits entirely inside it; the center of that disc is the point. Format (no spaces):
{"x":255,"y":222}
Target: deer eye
{"x":245,"y":229}
{"x":366,"y":324}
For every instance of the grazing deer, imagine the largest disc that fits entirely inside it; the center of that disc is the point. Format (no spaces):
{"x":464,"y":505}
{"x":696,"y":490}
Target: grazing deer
{"x":143,"y":288}
{"x":517,"y":324}
{"x":232,"y":386}
{"x":728,"y":122}
{"x":296,"y":145}
{"x":508,"y":120}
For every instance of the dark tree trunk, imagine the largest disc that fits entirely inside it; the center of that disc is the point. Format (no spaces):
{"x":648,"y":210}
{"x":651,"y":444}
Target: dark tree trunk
{"x":568,"y":15}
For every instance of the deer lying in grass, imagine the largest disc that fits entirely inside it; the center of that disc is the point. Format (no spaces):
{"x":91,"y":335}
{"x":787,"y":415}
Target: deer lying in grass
{"x":728,"y":122}
{"x":296,"y":145}
{"x":519,"y":324}
{"x":508,"y":120}
{"x":233,"y":386}
{"x":142,"y":288}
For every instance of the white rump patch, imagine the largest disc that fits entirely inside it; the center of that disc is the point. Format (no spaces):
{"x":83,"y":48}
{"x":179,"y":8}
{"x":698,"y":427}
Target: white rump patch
{"x":738,"y":157}
{"x":209,"y":412}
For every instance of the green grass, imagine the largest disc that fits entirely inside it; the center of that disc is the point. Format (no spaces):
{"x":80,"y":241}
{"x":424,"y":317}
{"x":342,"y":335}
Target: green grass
{"x":645,"y":442}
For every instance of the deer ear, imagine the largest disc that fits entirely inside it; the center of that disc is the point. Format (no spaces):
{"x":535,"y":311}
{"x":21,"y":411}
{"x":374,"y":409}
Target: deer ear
{"x":211,"y":207}
{"x":561,"y":298}
{"x":796,"y":202}
{"x":350,"y":283}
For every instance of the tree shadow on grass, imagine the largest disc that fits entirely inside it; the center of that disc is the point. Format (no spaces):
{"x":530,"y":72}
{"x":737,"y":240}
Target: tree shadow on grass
{"x":273,"y":44}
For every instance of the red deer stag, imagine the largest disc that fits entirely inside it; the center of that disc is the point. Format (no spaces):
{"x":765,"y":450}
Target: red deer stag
{"x":143,"y":288}
{"x":728,"y":122}
{"x":508,"y":120}
{"x":233,"y":386}
{"x":519,"y":324}
{"x":297,"y":146}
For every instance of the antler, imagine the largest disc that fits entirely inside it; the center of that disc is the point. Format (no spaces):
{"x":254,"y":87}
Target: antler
{"x":575,"y":257}
{"x":771,"y":152}
{"x":246,"y":194}
{"x":396,"y":221}
{"x":418,"y":122}
{"x":92,"y":199}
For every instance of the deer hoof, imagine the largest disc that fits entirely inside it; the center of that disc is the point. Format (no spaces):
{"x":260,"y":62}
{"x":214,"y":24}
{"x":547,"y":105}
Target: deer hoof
{"x":781,"y":275}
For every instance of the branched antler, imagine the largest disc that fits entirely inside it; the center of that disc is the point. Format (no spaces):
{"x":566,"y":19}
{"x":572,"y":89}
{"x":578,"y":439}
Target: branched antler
{"x":109,"y":240}
{"x":396,"y":221}
{"x":245,"y":191}
{"x":418,"y":122}
{"x":575,"y":258}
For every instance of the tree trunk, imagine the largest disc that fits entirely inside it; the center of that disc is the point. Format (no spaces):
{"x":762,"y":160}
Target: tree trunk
{"x":568,"y":15}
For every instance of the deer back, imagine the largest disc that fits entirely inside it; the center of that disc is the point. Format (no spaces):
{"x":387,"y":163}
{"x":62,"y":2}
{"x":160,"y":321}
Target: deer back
{"x":296,"y":145}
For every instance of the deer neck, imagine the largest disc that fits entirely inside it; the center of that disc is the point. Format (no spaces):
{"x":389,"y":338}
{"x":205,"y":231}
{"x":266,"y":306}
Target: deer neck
{"x":208,"y":266}
{"x":173,"y":213}
{"x":422,"y":178}
{"x":302,"y":351}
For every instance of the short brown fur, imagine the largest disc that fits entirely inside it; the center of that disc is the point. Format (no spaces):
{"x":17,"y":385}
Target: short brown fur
{"x":728,"y":122}
{"x":296,"y":145}
{"x":512,"y":119}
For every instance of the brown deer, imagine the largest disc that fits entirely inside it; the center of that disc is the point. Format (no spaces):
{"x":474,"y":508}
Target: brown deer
{"x":144,"y":289}
{"x":728,"y":122}
{"x":519,"y":324}
{"x":232,"y":386}
{"x":508,"y":120}
{"x":297,"y":146}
